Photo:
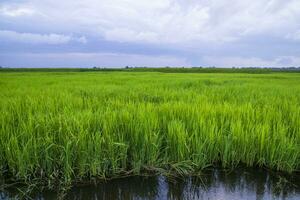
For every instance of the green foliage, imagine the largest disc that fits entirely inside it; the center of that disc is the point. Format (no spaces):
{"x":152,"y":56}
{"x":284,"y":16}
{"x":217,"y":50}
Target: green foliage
{"x":74,"y":126}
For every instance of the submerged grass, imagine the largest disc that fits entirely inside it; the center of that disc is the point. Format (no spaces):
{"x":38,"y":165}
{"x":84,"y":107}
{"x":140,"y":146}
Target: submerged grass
{"x":75,"y":126}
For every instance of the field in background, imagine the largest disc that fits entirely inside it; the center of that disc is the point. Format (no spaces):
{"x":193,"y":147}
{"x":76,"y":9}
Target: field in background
{"x":73,"y":126}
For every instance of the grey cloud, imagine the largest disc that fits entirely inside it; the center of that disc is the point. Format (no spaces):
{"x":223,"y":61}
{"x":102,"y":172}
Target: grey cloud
{"x":78,"y":59}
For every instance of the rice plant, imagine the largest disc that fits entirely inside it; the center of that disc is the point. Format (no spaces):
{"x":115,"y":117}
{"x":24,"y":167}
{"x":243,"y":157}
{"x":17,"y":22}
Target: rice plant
{"x":73,"y":126}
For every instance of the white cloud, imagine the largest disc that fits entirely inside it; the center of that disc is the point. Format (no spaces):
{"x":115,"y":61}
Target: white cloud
{"x":294,"y":35}
{"x":168,"y":21}
{"x":256,"y":29}
{"x":15,"y":11}
{"x":229,"y":61}
{"x":33,"y":38}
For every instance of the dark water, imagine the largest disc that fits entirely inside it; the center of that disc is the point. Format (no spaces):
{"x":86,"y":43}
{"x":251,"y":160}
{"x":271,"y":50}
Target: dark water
{"x":214,"y":185}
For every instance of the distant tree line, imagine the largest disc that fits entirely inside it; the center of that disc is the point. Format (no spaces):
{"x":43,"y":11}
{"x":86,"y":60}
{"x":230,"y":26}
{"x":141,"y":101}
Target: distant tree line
{"x":166,"y":69}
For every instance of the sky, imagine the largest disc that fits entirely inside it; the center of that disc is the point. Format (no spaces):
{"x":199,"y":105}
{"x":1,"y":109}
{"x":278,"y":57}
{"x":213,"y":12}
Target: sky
{"x":156,"y":33}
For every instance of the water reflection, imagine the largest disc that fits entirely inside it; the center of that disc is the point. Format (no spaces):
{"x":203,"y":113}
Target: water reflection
{"x":214,"y":184}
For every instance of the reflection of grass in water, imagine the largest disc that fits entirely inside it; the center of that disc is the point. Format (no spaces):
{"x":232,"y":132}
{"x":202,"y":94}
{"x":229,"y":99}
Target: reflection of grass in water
{"x":209,"y":183}
{"x":281,"y":183}
{"x":89,"y":125}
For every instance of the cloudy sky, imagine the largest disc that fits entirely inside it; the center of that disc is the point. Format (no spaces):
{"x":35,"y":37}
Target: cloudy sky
{"x":116,"y":33}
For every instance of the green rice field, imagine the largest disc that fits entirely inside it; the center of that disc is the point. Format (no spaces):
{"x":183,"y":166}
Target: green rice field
{"x":75,"y":126}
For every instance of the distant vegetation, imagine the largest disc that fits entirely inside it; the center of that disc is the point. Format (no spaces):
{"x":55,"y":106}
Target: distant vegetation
{"x":83,"y":126}
{"x":159,"y":69}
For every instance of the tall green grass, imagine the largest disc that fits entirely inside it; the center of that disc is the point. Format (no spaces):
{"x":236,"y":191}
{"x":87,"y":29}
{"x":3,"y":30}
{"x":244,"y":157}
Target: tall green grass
{"x":75,"y":126}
